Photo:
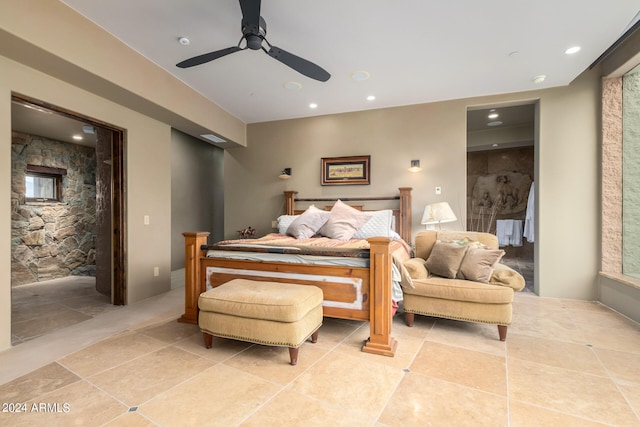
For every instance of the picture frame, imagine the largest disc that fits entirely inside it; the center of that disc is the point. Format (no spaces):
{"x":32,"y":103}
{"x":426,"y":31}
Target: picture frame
{"x":354,"y":170}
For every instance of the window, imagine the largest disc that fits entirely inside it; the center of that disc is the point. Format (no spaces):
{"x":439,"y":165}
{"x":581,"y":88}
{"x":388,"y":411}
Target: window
{"x":43,"y":184}
{"x":631,"y":173}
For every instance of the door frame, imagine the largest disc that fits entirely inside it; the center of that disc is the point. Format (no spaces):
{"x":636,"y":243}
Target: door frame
{"x":118,"y":193}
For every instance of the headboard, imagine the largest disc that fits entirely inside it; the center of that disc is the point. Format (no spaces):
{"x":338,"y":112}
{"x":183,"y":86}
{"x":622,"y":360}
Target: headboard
{"x":402,"y":213}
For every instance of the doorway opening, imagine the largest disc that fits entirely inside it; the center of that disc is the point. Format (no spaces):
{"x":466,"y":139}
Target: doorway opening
{"x":501,"y":181}
{"x":68,"y":252}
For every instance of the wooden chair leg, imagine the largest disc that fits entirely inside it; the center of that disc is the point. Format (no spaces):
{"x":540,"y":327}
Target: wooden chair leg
{"x":502,"y":331}
{"x":208,"y":339}
{"x":409,"y":318}
{"x":293,"y":355}
{"x":314,"y":337}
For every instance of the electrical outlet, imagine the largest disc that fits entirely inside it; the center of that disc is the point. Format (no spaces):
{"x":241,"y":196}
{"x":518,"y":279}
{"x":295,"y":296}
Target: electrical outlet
{"x":438,"y":190}
{"x":156,"y":271}
{"x":146,"y":220}
{"x":274,"y":224}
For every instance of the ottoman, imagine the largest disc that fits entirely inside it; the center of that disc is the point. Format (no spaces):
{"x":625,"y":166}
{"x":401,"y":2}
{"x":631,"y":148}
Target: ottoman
{"x":269,"y":313}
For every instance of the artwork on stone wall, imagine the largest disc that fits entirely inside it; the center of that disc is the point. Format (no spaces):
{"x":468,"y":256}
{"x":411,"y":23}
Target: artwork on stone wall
{"x":497,"y":194}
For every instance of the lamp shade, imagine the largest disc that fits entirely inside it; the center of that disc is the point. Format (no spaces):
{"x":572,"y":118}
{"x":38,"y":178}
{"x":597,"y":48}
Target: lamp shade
{"x":437,"y":213}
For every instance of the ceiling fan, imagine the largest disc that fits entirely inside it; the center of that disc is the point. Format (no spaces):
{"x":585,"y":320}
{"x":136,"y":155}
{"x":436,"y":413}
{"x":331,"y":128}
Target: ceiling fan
{"x":254,"y":32}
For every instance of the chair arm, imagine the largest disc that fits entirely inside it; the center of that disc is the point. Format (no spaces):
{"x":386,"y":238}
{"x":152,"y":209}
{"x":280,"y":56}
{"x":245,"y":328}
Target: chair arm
{"x":416,"y":268}
{"x":506,"y":276}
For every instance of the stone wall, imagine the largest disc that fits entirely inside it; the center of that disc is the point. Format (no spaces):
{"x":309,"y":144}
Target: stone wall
{"x":612,"y":175}
{"x":57,"y":239}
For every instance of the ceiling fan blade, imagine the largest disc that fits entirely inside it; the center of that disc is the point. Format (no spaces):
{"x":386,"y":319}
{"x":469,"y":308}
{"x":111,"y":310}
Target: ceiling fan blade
{"x":301,"y":65}
{"x":201,"y":59}
{"x":251,"y":15}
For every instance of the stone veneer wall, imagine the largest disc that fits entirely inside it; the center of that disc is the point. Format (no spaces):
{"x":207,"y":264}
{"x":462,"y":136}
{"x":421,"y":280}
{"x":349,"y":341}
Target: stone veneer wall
{"x":631,"y":173}
{"x":53,"y":240}
{"x":612,"y":175}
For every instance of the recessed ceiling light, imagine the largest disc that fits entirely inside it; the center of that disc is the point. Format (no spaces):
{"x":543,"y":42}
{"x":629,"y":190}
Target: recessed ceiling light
{"x":313,"y":105}
{"x":77,"y":137}
{"x":496,"y":123}
{"x":360,"y":75}
{"x":572,"y":50}
{"x":292,"y":86}
{"x":371,"y":98}
{"x":184,"y":41}
{"x":493,"y":116}
{"x":539,"y":79}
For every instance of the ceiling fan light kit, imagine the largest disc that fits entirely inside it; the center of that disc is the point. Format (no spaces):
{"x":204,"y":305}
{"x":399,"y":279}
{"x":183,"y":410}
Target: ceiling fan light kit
{"x":254,"y":33}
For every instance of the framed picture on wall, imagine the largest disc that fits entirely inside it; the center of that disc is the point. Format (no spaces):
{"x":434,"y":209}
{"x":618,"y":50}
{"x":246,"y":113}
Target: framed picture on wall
{"x":346,"y":170}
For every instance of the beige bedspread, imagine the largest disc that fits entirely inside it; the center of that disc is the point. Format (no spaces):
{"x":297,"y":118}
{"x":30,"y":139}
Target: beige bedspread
{"x":400,"y":250}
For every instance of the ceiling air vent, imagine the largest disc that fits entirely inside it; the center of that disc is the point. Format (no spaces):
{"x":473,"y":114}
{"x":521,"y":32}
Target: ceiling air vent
{"x":212,"y":137}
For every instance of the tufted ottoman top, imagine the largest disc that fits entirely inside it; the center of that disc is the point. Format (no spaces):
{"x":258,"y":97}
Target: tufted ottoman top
{"x":281,"y":302}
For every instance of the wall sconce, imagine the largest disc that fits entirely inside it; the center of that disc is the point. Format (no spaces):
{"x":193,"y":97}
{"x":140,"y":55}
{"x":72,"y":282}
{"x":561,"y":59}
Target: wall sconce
{"x":415,"y":166}
{"x":285,"y":174}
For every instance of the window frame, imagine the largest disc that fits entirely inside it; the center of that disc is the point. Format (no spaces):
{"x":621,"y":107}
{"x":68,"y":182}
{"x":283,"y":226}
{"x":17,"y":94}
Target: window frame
{"x":56,"y":174}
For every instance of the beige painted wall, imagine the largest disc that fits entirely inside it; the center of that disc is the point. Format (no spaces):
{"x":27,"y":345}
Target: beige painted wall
{"x":393,"y":137}
{"x":51,"y":53}
{"x":149,"y":184}
{"x":197,"y":192}
{"x":31,"y":33}
{"x":567,"y":240}
{"x":51,"y":37}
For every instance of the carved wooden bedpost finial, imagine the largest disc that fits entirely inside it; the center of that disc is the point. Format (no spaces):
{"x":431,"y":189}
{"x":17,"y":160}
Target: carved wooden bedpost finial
{"x":404,"y":228}
{"x":289,"y":202}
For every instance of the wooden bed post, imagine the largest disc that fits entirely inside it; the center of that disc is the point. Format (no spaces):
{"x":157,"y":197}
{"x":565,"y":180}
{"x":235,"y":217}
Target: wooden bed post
{"x":289,"y":202}
{"x":380,"y":286}
{"x":193,"y":240}
{"x":404,"y":228}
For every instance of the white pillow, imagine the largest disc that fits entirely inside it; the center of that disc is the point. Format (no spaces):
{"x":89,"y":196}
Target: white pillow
{"x":308,"y":224}
{"x":284,"y":221}
{"x":378,"y":226}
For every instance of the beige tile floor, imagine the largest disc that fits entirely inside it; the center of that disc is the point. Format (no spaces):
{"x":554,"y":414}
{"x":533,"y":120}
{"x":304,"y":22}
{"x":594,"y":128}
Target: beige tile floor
{"x":565,"y":363}
{"x":40,"y":308}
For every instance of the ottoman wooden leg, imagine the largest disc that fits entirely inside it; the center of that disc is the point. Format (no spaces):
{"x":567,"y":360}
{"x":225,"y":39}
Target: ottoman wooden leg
{"x":293,"y":355}
{"x":208,"y":339}
{"x":314,"y":337}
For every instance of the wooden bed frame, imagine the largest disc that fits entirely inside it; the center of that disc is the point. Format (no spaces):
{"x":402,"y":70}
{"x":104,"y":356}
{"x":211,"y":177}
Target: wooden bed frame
{"x":357,"y":293}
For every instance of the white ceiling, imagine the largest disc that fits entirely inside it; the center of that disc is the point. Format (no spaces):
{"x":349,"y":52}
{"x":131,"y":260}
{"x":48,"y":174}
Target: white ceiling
{"x":35,"y":120}
{"x":416,"y":51}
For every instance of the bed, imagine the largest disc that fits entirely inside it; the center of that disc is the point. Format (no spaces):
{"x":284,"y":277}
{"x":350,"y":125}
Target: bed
{"x":355,"y":275}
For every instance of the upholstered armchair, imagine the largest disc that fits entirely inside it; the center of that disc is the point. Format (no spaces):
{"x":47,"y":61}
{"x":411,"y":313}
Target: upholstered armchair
{"x":457,"y":275}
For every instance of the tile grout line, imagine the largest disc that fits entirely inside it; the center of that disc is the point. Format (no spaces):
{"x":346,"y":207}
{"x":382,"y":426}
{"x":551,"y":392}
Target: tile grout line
{"x":613,"y":380}
{"x":285,"y":387}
